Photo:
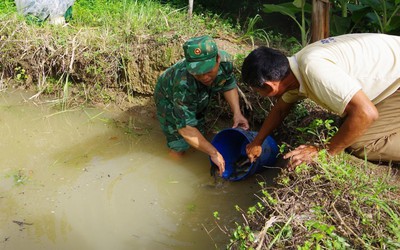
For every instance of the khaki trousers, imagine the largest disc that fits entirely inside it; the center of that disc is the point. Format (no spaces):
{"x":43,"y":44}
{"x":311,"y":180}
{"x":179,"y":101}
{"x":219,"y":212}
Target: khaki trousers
{"x":381,"y":142}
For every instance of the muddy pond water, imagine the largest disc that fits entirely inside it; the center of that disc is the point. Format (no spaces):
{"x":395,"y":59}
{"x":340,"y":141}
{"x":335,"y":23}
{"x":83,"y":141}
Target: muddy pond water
{"x":89,"y":178}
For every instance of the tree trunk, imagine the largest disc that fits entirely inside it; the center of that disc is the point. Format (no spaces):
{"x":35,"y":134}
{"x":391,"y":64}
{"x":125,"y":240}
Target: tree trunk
{"x":320,"y":20}
{"x":190,"y":11}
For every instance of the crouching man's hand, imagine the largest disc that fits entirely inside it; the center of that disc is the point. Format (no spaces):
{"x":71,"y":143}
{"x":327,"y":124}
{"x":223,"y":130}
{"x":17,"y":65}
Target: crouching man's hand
{"x":253,"y":151}
{"x":240,"y":121}
{"x":302,"y":154}
{"x":219,"y":161}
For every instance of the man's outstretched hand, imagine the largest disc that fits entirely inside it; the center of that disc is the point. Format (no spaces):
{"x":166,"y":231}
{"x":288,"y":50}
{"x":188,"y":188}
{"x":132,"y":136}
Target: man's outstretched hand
{"x":253,"y":151}
{"x":219,"y":161}
{"x":239,"y":121}
{"x":301,"y":154}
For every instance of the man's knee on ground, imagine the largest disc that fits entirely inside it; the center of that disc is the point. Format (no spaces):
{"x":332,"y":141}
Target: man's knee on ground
{"x":385,"y":149}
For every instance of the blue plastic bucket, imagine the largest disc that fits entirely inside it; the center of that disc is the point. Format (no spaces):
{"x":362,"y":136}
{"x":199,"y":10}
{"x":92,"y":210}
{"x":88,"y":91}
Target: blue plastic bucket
{"x":231,"y":143}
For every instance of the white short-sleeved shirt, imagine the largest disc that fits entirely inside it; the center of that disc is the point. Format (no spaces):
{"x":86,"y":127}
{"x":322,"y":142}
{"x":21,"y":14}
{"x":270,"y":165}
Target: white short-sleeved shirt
{"x":331,"y":71}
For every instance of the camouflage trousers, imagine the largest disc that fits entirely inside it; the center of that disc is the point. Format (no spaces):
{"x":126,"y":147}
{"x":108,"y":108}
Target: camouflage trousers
{"x":167,"y":121}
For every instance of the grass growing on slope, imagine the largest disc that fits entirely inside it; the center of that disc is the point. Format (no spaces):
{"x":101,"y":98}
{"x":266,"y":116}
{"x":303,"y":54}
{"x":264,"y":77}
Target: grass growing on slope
{"x":107,"y":47}
{"x":338,"y":203}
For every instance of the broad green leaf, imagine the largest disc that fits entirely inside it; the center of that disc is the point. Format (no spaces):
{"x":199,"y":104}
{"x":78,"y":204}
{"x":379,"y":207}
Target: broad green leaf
{"x":355,"y":7}
{"x":395,"y":23}
{"x":299,"y":3}
{"x":358,"y":12}
{"x":270,"y":8}
{"x":374,"y":4}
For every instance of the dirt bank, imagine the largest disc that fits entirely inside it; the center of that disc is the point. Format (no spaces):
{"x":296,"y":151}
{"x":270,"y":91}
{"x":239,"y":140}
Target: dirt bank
{"x":87,"y":64}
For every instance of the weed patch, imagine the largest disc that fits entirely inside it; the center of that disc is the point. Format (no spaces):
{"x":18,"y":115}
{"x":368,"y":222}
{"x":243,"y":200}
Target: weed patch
{"x":335,"y":204}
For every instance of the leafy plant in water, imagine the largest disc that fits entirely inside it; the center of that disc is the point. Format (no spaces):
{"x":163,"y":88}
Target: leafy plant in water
{"x":191,"y":207}
{"x":271,"y":200}
{"x":132,"y":129}
{"x":216,"y":215}
{"x":19,"y":177}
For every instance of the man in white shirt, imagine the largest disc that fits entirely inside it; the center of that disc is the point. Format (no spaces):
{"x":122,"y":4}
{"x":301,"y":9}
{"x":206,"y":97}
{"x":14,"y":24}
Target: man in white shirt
{"x":356,"y":76}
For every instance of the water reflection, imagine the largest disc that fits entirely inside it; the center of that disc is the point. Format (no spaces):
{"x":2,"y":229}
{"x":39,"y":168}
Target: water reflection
{"x":101,"y":179}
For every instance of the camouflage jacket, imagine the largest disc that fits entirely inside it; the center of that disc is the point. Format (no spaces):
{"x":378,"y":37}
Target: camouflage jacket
{"x":183,"y":98}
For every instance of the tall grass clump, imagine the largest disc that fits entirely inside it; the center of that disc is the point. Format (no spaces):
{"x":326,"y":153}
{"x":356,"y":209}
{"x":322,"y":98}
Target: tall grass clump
{"x":128,"y":15}
{"x":145,"y":17}
{"x":6,"y":7}
{"x":252,"y":33}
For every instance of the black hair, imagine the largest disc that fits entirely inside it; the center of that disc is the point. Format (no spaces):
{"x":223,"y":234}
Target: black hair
{"x":264,"y":64}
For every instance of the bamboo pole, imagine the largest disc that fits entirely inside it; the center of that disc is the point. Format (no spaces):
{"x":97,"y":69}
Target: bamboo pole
{"x":190,"y":10}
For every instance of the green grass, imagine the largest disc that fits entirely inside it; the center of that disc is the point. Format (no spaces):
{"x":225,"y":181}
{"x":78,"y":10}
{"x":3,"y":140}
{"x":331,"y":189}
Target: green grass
{"x":335,"y":204}
{"x":107,"y":41}
{"x":144,"y":17}
{"x":6,"y":7}
{"x":339,"y":202}
{"x":20,"y":177}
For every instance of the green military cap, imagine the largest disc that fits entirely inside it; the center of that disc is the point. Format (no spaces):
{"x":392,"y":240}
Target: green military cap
{"x":200,"y":53}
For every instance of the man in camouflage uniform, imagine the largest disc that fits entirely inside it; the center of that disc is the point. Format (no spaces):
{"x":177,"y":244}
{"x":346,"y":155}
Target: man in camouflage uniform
{"x":184,"y":91}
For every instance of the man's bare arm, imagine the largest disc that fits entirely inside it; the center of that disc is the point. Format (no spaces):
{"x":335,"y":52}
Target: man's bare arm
{"x":361,"y":113}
